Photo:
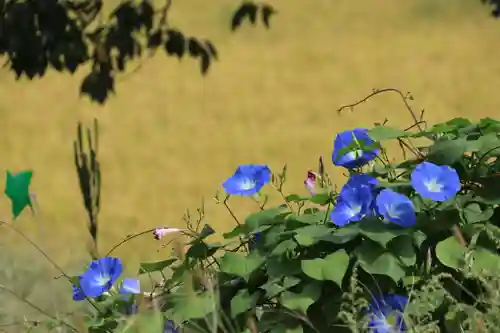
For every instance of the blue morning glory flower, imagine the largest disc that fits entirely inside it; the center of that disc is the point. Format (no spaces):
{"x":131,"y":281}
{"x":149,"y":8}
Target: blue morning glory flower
{"x":355,"y":158}
{"x":100,"y":276}
{"x":396,"y":208}
{"x":78,"y":294}
{"x":353,"y":203}
{"x":386,"y":314}
{"x":130,"y":286}
{"x":359,"y":180}
{"x":435,"y":182}
{"x":247,"y":180}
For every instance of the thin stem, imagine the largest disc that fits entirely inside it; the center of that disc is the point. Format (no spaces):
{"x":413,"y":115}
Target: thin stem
{"x":225,"y":202}
{"x":459,"y":235}
{"x":286,"y":201}
{"x":381,"y":91}
{"x":412,"y":149}
{"x":461,"y":239}
{"x":327,"y":212}
{"x":34,"y":306}
{"x":123,"y":241}
{"x":42,"y":252}
{"x":130,"y":237}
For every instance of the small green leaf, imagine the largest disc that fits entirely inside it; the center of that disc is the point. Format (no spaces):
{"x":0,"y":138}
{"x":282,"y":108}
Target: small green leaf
{"x":313,"y":268}
{"x":485,"y":262}
{"x":295,"y":198}
{"x":275,"y":287}
{"x":206,"y":231}
{"x":450,"y":253}
{"x":303,"y":300}
{"x":17,"y":190}
{"x":375,"y":260}
{"x":473,"y":213}
{"x":242,"y":302}
{"x":238,"y":230}
{"x":201,"y":250}
{"x":332,"y":268}
{"x":320,"y":199}
{"x":380,"y":232}
{"x":486,"y":145}
{"x":144,"y":322}
{"x":411,"y":280}
{"x":394,"y":184}
{"x":418,"y":238}
{"x":279,"y":267}
{"x":241,"y":265}
{"x":450,"y":126}
{"x":265,"y":217}
{"x":335,"y":266}
{"x":186,"y":307}
{"x":343,"y":235}
{"x":489,"y":125}
{"x":280,"y":328}
{"x":313,"y":218}
{"x":311,"y":234}
{"x":381,"y":133}
{"x":402,"y":248}
{"x":156,"y":266}
{"x":447,"y":151}
{"x":284,"y":247}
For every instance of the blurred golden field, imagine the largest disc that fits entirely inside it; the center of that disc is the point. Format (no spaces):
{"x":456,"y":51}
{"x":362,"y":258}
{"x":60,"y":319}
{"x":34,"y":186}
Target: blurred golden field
{"x":170,"y":137}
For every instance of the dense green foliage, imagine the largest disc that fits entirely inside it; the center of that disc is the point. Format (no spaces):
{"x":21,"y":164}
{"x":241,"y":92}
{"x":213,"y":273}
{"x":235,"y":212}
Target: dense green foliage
{"x":290,"y":268}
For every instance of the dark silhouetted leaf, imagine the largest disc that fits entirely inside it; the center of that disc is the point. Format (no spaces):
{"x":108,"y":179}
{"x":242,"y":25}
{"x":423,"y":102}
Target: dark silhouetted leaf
{"x":120,"y":62}
{"x":146,"y":13}
{"x":205,"y":62}
{"x":176,"y":43}
{"x":212,"y":50}
{"x":98,"y":85}
{"x":155,"y":39}
{"x":267,"y":11}
{"x":246,"y":10}
{"x":495,"y":10}
{"x":127,"y":16}
{"x":195,"y":48}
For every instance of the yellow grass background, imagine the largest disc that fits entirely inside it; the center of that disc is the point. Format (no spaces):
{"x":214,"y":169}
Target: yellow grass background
{"x":170,"y":137}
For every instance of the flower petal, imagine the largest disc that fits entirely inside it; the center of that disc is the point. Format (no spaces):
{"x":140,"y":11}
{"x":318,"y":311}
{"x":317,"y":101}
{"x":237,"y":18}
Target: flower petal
{"x":435,"y":182}
{"x":78,"y":294}
{"x":356,"y":158}
{"x":159,"y":233}
{"x":396,"y":208}
{"x":344,"y":213}
{"x":100,"y":276}
{"x":381,"y":309}
{"x":247,"y":180}
{"x":130,"y":286}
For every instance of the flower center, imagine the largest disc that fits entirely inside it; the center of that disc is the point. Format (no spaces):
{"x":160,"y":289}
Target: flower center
{"x":388,"y":323}
{"x":354,"y":210}
{"x":433,"y":186}
{"x":392,"y":211}
{"x":354,"y":155}
{"x":247,"y":184}
{"x":103,"y":279}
